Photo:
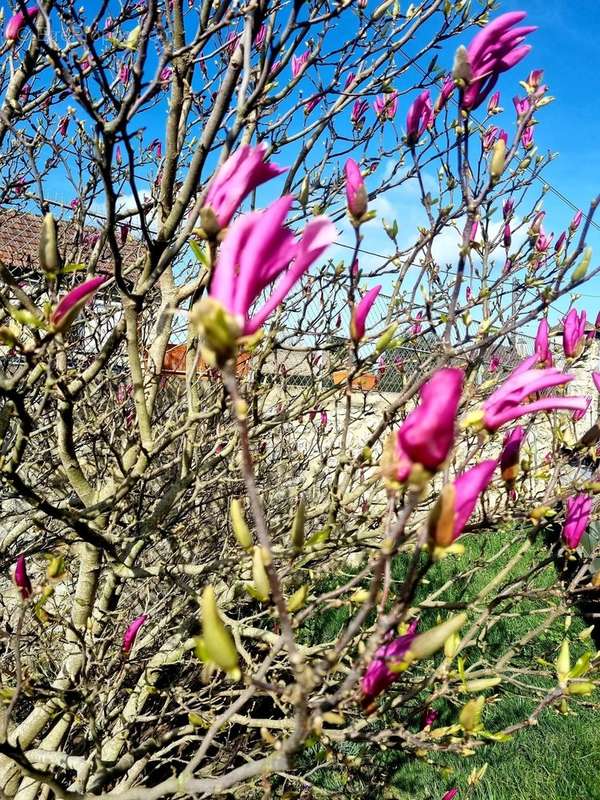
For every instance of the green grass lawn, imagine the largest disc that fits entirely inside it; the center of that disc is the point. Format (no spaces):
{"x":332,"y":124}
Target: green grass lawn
{"x":559,"y":759}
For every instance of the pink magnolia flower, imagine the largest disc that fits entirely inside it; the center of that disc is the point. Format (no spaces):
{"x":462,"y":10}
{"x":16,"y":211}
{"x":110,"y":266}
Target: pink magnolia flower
{"x":21,"y":578}
{"x":509,"y":401}
{"x":359,"y":109}
{"x":356,"y":192}
{"x":522,"y":106}
{"x":257,"y":249}
{"x":429,"y":717}
{"x":560,"y":243}
{"x":493,"y":106}
{"x":323,"y":418}
{"x":495,"y":49}
{"x":360,"y":313}
{"x":312,"y":103}
{"x":378,"y":676}
{"x":132,"y":631}
{"x":123,"y":74}
{"x":543,"y":241}
{"x":576,"y":221}
{"x":386,"y":105}
{"x":457,"y":501}
{"x":417,"y":327}
{"x":489,"y":137}
{"x":450,"y":794}
{"x":166,"y":74}
{"x":506,"y":237}
{"x":495,"y":362}
{"x":420,"y":115}
{"x":542,"y":344}
{"x":349,"y":80}
{"x":577,"y":517}
{"x":72,"y":303}
{"x":574,"y":333}
{"x":581,"y":412}
{"x":25,"y":92}
{"x":259,"y":39}
{"x":17,"y":23}
{"x":427,"y":434}
{"x":156,"y":147}
{"x":536,"y":225}
{"x":243,"y":171}
{"x":299,"y":63}
{"x":474,"y":229}
{"x":511,"y":453}
{"x":535,"y":78}
{"x":508,"y":208}
{"x":118,"y":155}
{"x":447,"y":88}
{"x":63,"y":126}
{"x":527,"y":137}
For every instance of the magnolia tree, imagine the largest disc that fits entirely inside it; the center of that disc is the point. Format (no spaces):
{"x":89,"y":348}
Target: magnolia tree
{"x":233,"y":561}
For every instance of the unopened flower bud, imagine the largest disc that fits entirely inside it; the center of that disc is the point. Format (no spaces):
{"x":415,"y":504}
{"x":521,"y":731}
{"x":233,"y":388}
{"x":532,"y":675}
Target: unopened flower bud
{"x":48,"y":247}
{"x":239,"y":526}
{"x":260,"y":579}
{"x":218,"y":643}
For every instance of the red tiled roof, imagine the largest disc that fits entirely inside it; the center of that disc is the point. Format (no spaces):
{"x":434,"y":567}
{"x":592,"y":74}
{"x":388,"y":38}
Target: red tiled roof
{"x":19,"y":238}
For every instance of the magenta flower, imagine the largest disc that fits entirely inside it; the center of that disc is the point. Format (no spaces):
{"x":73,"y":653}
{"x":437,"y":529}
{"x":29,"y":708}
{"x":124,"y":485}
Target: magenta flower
{"x":257,"y":249}
{"x":386,"y":105}
{"x":495,"y":49}
{"x":323,"y":418}
{"x":535,"y":78}
{"x":243,"y":171}
{"x":511,"y":453}
{"x":299,"y":63}
{"x":155,"y":146}
{"x":378,"y":676}
{"x":360,"y":313}
{"x":493,"y":106}
{"x":489,"y":137}
{"x":166,"y":74}
{"x":72,"y":303}
{"x":349,"y":80}
{"x":509,"y":402}
{"x":312,"y":103}
{"x":508,"y":208}
{"x":420,"y":115}
{"x":577,"y":517}
{"x":21,"y":578}
{"x":359,"y":109}
{"x":542,"y":344}
{"x":17,"y":23}
{"x":543,"y":241}
{"x":123,"y":74}
{"x":506,"y":236}
{"x":560,"y":243}
{"x":474,"y":229}
{"x":259,"y":39}
{"x":132,"y":631}
{"x":63,"y":126}
{"x":522,"y":106}
{"x":581,"y":412}
{"x":429,"y":717}
{"x":576,"y":221}
{"x":495,"y":362}
{"x":450,"y":794}
{"x":447,"y":88}
{"x":527,"y":137}
{"x":427,"y":434}
{"x":356,"y":193}
{"x":574,"y":333}
{"x":457,"y":501}
{"x":417,"y":327}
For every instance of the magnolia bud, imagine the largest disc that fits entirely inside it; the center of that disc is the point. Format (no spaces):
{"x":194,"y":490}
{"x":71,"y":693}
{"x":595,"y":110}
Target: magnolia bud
{"x":584,"y":687}
{"x":461,"y":69}
{"x":238,"y":523}
{"x":428,"y":643}
{"x":481,"y":684}
{"x":470,"y":715}
{"x":386,"y":337}
{"x":260,"y":579}
{"x":563,"y":662}
{"x":48,"y":247}
{"x":498,"y":159}
{"x":580,"y":270}
{"x":298,"y":599}
{"x":217,"y":641}
{"x":297,"y":534}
